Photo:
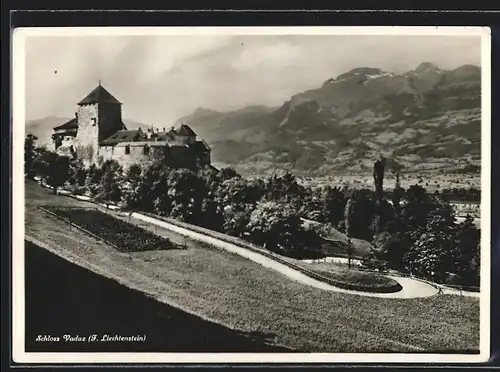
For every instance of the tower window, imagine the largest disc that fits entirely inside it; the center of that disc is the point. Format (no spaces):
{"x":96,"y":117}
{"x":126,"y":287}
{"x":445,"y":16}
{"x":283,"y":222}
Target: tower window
{"x":127,"y":150}
{"x":146,"y":150}
{"x":94,"y":122}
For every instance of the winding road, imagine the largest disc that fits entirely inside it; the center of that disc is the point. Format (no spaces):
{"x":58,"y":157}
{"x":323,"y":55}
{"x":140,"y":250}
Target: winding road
{"x":412,"y":288}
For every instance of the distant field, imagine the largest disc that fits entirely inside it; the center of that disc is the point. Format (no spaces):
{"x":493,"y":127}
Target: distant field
{"x":242,"y":295}
{"x":430,"y":181}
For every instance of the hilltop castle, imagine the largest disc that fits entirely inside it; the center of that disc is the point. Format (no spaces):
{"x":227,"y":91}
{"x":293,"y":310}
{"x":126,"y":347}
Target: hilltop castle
{"x":97,"y":133}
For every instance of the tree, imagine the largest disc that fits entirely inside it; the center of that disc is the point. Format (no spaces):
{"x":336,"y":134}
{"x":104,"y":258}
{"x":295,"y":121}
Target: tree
{"x":133,"y":174}
{"x":378,"y":178}
{"x":236,"y":219}
{"x":335,"y":202}
{"x":29,"y":155}
{"x":112,"y":174}
{"x":227,"y":173}
{"x":94,"y":175}
{"x":397,"y":195}
{"x":391,"y":248}
{"x":186,"y":191}
{"x":433,"y":254}
{"x":58,"y":170}
{"x":132,"y":179}
{"x":418,"y":206}
{"x":77,"y":173}
{"x":284,"y":187}
{"x":279,"y":228}
{"x":212,"y":213}
{"x":40,"y":165}
{"x":313,"y":206}
{"x":359,"y":212}
{"x":110,"y":188}
{"x":150,"y":194}
{"x":238,"y":191}
{"x":468,"y":240}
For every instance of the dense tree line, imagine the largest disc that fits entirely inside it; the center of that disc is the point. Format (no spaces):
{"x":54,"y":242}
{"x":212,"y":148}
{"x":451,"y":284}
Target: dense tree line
{"x":414,"y":232}
{"x":453,"y":194}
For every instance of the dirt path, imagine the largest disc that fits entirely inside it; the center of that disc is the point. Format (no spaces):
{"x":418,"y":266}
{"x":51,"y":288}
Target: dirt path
{"x":411,"y":288}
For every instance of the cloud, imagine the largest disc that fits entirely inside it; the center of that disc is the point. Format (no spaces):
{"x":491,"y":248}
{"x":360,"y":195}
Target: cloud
{"x":270,"y":56}
{"x":161,"y":78}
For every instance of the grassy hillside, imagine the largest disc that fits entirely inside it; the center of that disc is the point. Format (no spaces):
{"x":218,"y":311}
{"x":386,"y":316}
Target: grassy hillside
{"x":242,"y":295}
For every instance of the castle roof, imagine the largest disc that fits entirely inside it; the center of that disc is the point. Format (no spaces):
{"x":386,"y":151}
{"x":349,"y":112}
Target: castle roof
{"x":166,"y":136}
{"x":185,"y":130}
{"x":200,"y":146}
{"x":143,"y":143}
{"x":99,"y":95}
{"x":72,"y":124}
{"x":122,"y":136}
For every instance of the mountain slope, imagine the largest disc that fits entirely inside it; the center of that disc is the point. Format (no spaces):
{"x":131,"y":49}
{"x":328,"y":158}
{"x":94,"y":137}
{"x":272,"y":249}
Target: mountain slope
{"x":425,"y":118}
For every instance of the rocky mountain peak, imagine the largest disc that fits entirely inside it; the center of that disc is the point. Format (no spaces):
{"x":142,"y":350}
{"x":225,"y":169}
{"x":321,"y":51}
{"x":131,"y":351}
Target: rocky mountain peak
{"x":425,"y":67}
{"x":360,"y":72}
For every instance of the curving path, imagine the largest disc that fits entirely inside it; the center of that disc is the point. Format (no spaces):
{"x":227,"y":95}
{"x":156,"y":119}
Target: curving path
{"x":411,"y":288}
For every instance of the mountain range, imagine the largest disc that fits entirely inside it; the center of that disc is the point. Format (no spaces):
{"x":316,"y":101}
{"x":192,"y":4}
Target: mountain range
{"x":426,"y":118}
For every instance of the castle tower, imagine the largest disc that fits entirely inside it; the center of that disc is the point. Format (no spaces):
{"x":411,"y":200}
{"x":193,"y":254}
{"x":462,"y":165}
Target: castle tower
{"x":99,"y":116}
{"x":186,"y":135}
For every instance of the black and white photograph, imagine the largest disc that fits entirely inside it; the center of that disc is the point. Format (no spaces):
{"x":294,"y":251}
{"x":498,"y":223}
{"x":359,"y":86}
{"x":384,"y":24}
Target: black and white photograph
{"x":251,"y":194}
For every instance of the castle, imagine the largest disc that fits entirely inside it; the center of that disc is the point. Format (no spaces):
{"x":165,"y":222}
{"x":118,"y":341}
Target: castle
{"x":97,"y":133}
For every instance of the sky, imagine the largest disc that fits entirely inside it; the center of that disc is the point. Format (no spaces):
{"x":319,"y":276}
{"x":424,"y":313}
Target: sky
{"x":162,"y":78}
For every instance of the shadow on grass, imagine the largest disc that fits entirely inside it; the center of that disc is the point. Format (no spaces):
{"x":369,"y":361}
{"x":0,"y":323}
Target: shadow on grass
{"x":65,"y":299}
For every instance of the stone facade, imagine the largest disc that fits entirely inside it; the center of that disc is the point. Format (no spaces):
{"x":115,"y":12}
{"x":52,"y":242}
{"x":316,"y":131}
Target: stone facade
{"x":126,"y":158}
{"x":86,"y":140}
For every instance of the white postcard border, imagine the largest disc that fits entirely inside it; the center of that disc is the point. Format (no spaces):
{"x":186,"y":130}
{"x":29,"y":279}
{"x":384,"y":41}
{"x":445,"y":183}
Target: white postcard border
{"x":18,"y":133}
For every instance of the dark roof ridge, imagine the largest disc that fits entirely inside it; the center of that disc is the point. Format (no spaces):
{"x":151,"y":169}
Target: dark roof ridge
{"x":99,"y":95}
{"x":71,"y":124}
{"x":185,"y":130}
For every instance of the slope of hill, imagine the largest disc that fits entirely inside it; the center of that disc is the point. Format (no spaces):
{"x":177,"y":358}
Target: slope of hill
{"x":427,"y":118}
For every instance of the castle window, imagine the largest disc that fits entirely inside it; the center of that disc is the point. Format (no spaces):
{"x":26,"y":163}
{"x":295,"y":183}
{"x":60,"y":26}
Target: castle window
{"x":146,"y":150}
{"x":94,"y":122}
{"x":127,"y":150}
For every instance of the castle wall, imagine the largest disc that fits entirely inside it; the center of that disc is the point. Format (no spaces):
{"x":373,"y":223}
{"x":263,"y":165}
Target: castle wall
{"x":136,"y":155}
{"x":181,"y":157}
{"x":175,"y":157}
